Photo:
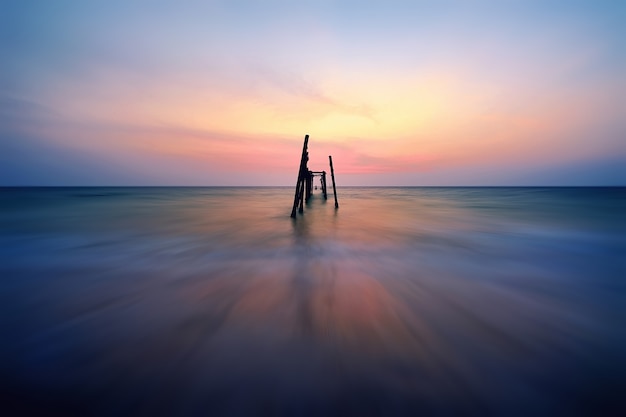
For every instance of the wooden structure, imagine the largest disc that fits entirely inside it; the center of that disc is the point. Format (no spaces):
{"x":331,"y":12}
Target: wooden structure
{"x":304,"y":185}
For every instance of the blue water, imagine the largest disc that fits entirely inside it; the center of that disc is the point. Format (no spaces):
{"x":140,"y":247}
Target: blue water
{"x":404,"y":301}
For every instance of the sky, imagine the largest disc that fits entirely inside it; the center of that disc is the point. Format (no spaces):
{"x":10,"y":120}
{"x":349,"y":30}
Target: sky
{"x":124,"y":92}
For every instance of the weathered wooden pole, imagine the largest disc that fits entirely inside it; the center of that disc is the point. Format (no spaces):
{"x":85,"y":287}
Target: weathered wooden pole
{"x":332,"y":176}
{"x":301,"y":202}
{"x":309,"y":185}
{"x":324,"y":185}
{"x":303,"y":160}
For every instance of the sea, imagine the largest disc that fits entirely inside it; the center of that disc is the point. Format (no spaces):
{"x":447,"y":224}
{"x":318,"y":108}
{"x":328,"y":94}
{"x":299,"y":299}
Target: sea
{"x":404,"y":301}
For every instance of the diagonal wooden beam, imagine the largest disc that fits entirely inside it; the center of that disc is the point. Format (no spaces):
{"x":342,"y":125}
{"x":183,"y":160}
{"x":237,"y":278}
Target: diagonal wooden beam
{"x":301,"y":174}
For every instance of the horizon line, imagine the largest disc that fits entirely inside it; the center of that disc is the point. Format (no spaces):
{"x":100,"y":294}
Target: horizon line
{"x":291,"y":186}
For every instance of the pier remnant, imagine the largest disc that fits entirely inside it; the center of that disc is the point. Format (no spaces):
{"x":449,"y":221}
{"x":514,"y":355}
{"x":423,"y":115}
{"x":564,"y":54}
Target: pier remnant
{"x":332,"y":175}
{"x":301,"y":174}
{"x":304,"y":185}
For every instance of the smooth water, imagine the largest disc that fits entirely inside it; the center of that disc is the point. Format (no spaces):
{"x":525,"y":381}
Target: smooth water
{"x":405,"y":301}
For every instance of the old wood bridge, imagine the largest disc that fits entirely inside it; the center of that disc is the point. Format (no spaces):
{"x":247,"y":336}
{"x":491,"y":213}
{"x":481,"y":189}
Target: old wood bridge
{"x":304,"y":186}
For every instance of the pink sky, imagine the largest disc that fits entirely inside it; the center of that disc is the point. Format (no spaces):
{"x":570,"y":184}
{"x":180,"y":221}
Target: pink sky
{"x":399,"y":95}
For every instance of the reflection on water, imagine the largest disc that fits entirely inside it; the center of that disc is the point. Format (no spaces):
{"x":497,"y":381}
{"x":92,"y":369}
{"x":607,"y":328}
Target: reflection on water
{"x":406,"y":301}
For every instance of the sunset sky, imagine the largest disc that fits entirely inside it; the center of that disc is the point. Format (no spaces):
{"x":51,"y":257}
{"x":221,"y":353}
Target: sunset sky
{"x":124,"y":92}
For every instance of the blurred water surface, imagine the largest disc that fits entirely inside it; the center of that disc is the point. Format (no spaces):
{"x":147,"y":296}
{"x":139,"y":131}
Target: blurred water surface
{"x":405,"y":301}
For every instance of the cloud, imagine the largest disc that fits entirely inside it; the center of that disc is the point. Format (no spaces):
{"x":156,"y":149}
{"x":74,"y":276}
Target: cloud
{"x":296,"y":86}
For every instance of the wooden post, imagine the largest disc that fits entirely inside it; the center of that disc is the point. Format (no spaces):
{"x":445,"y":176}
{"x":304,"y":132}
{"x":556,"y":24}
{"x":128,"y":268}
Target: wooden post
{"x":324,"y":185}
{"x":309,"y":185}
{"x":301,"y":202}
{"x":332,"y":176}
{"x":298,"y":195}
